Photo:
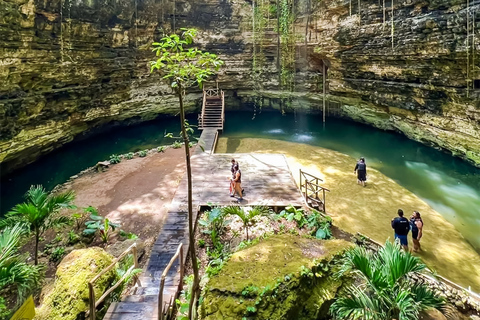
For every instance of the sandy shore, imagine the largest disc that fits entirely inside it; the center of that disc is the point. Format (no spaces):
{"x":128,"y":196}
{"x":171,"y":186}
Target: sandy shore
{"x":369,"y":210}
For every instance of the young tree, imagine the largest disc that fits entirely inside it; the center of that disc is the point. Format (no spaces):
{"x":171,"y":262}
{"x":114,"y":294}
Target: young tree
{"x":387,"y":291}
{"x":39,"y":212}
{"x":183,"y":66}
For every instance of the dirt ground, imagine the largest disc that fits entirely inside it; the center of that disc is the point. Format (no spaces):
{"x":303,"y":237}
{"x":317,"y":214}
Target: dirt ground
{"x":135,"y":193}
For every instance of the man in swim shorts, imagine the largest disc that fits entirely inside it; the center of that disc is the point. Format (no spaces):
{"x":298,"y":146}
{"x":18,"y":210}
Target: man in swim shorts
{"x":401,"y":225}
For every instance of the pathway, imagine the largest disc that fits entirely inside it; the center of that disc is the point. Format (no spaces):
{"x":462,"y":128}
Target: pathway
{"x":267,"y":180}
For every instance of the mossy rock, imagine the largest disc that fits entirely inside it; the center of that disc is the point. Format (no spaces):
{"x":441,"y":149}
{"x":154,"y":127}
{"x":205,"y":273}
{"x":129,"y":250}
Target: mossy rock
{"x":282,"y":277}
{"x":69,"y":299}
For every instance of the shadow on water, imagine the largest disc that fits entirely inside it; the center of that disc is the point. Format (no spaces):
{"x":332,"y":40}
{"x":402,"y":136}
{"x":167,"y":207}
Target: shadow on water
{"x":56,"y":167}
{"x":448,"y":184}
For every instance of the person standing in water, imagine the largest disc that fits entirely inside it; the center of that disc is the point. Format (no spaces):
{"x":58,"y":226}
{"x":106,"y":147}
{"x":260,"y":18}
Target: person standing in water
{"x":401,"y":225}
{"x":361,"y":170}
{"x":416,"y":224}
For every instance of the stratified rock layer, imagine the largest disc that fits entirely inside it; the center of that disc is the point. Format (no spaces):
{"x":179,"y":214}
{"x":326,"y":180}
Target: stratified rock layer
{"x":69,"y":66}
{"x":274,"y":280}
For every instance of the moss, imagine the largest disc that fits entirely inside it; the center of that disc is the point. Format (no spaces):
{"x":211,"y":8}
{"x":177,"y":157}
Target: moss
{"x":268,"y":278}
{"x":70,"y":296}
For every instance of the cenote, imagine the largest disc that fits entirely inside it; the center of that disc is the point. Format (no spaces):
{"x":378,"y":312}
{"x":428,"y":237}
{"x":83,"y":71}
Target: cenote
{"x":449,"y":185}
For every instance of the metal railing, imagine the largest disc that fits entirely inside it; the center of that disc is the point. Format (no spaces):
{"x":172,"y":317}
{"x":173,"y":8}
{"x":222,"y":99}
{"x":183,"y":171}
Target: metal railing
{"x":178,"y":254}
{"x":93,"y":302}
{"x":310,"y":186}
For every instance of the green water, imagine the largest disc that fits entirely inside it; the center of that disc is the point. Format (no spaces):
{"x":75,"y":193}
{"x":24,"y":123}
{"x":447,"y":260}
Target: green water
{"x":449,"y":185}
{"x":58,"y":166}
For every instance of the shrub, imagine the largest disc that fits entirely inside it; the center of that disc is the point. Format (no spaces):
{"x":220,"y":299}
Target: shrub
{"x":161,"y":149}
{"x":142,"y":153}
{"x":115,"y":159}
{"x":129,"y":155}
{"x":72,"y":237}
{"x":101,"y":225}
{"x":177,"y":144}
{"x":57,"y":254}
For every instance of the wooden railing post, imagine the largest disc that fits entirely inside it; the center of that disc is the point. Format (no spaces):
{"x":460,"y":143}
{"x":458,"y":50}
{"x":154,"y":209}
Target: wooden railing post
{"x":92,"y":301}
{"x":324,"y":201}
{"x":178,"y":253}
{"x":182,"y":269}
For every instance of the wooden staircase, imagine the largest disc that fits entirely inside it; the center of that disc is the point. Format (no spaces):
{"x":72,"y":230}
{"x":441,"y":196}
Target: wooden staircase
{"x":213,"y":110}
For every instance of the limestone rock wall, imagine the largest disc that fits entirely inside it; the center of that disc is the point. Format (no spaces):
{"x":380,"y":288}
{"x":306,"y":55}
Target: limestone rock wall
{"x":68,"y":66}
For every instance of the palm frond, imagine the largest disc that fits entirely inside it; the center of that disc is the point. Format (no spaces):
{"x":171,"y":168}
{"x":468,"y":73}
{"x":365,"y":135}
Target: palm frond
{"x":407,"y":307}
{"x":357,"y":306}
{"x":427,"y":298}
{"x":398,"y":263}
{"x":14,"y":271}
{"x":234,"y":210}
{"x":9,"y":240}
{"x":61,"y":221}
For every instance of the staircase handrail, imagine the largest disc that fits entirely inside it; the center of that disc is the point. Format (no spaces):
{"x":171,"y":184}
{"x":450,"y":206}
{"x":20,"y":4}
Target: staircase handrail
{"x":177,"y":254}
{"x":203,"y":107}
{"x":312,"y":183}
{"x":223,"y":108}
{"x":211,"y":92}
{"x":94,"y":303}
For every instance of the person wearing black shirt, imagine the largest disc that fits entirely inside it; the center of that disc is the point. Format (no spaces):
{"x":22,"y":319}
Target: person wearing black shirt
{"x":361,"y":171}
{"x":401,"y":225}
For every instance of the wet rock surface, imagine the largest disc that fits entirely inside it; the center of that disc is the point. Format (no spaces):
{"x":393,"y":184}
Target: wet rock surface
{"x":68,"y":68}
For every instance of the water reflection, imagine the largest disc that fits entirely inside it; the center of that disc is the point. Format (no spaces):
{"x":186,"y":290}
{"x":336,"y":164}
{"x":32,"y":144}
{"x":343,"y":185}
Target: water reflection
{"x":450,"y":185}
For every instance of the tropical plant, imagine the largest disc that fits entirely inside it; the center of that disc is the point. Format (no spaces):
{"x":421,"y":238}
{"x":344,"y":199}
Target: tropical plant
{"x":72,"y":237}
{"x":183,"y":66}
{"x":291,"y":213}
{"x":176,"y":145}
{"x":387,"y":291}
{"x":57,"y":254}
{"x":142,"y":153}
{"x":246,"y":217}
{"x":161,"y":149}
{"x":79,"y":217}
{"x":214,"y":223}
{"x":129,"y":155}
{"x":320,"y":225}
{"x":14,"y":271}
{"x":40,"y":212}
{"x":127,"y":235}
{"x":115,"y":159}
{"x":101,"y":225}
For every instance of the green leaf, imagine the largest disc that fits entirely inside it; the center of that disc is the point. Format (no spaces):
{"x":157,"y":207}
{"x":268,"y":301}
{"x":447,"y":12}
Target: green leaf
{"x":321,"y":234}
{"x":89,"y":231}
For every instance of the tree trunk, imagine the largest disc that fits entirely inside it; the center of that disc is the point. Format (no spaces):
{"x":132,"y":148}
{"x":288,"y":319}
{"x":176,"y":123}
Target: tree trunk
{"x":191,"y":234}
{"x":37,"y":239}
{"x":278,"y":47}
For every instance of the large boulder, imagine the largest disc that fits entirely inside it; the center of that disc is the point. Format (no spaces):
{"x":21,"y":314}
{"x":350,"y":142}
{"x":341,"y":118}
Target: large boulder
{"x":282,"y":277}
{"x":69,"y":298}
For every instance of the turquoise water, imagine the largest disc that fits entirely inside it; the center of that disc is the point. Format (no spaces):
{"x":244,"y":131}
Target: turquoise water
{"x":450,"y":185}
{"x":58,"y":166}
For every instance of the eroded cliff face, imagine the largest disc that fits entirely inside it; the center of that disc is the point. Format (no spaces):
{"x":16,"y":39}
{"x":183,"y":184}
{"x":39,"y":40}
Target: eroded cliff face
{"x":69,"y":66}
